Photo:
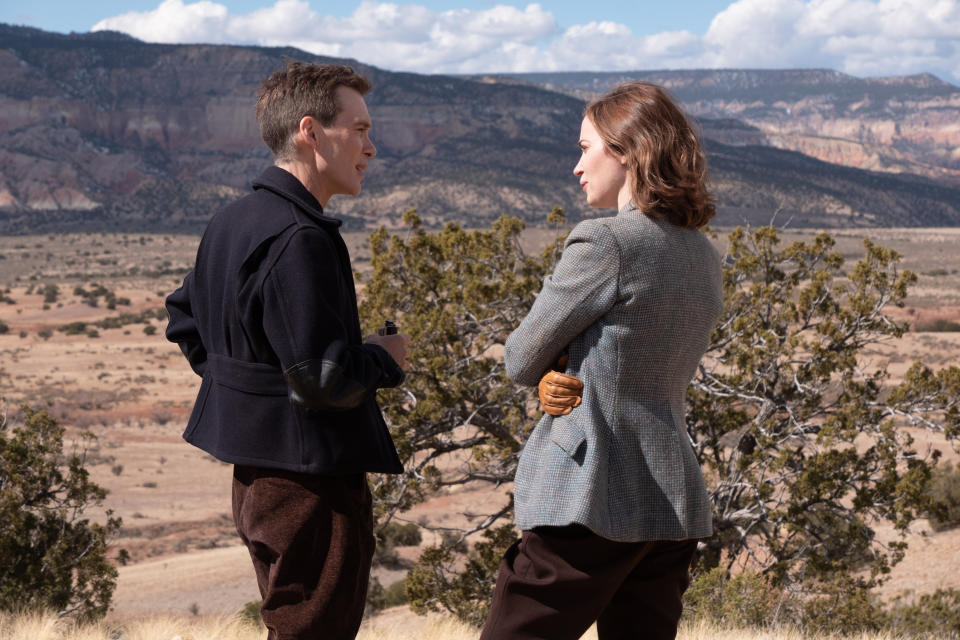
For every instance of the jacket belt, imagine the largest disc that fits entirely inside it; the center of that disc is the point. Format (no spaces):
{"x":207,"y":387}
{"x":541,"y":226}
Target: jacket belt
{"x":250,"y":377}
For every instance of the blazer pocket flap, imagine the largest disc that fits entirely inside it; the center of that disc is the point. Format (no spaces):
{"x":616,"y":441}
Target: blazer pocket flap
{"x":568,"y":437}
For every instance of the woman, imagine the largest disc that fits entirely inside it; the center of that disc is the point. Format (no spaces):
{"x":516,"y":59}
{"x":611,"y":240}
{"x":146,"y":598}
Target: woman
{"x":609,"y":497}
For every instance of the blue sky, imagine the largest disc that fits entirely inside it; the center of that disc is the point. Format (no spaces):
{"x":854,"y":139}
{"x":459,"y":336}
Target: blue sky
{"x":860,"y":37}
{"x":641,"y":17}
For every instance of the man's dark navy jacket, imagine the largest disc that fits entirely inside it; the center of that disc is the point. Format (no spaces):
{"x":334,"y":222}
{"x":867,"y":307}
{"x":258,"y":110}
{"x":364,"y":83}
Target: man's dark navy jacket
{"x":268,"y":318}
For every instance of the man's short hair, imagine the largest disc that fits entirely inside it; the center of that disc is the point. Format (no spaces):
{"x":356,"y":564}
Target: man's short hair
{"x":301,"y":89}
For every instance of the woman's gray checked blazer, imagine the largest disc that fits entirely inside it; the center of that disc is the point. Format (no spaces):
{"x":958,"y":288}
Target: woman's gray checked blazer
{"x":633,"y":301}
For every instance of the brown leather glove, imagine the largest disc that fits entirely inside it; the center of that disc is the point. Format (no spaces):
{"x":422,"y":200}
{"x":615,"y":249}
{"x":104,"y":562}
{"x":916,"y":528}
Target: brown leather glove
{"x":559,"y":393}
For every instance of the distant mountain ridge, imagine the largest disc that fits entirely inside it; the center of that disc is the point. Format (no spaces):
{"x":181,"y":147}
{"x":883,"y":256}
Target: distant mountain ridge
{"x":102,"y":131}
{"x":749,"y":84}
{"x":904,"y":124}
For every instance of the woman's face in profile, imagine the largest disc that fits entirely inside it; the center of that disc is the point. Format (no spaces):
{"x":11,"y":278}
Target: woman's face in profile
{"x":602,"y":172}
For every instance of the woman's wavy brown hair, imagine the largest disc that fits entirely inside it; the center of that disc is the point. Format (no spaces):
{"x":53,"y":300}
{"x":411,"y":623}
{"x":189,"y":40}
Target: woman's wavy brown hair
{"x":642,"y":122}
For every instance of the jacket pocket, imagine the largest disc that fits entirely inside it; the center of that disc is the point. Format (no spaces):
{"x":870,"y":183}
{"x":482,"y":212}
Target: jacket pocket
{"x":568,"y":436}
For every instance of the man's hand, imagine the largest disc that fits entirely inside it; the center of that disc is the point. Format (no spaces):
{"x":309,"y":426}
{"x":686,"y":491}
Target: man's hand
{"x":396,"y":345}
{"x":559,"y":393}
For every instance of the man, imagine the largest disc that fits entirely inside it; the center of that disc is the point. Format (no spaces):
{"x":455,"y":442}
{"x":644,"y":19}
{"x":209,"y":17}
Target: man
{"x":268,"y":317}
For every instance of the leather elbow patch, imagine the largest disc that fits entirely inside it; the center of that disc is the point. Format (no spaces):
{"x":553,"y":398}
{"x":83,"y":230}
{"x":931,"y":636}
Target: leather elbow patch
{"x":323,"y":384}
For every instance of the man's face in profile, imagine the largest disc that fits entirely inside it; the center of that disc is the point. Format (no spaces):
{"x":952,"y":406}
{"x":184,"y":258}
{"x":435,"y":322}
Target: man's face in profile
{"x":345,"y":148}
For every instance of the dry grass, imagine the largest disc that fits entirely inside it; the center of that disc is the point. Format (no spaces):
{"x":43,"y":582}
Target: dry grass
{"x":396,"y":624}
{"x":49,"y":627}
{"x":702,"y":631}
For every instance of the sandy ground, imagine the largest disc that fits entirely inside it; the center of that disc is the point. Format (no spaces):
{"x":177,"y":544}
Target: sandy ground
{"x":213,"y":581}
{"x":133,"y":390}
{"x":932,"y":562}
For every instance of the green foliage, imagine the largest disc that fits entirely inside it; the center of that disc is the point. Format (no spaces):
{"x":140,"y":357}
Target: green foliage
{"x":458,"y":294}
{"x":116,"y":322}
{"x":379,"y":598}
{"x":934,"y":615}
{"x":250,"y":613}
{"x":745,"y":600}
{"x":50,"y":293}
{"x":753,"y":600}
{"x":50,"y":556}
{"x":92,"y":296}
{"x":780,"y":401}
{"x":940,"y":324}
{"x":945,"y":493}
{"x":841,"y":604}
{"x":400,"y":535}
{"x":376,"y":597}
{"x":556,"y":217}
{"x":396,"y":594}
{"x":73,"y":328}
{"x":802,"y":446}
{"x":391,"y":536}
{"x":433,"y":585}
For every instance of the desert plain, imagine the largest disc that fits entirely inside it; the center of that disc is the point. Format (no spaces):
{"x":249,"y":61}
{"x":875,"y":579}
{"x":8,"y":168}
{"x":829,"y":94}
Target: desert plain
{"x":93,"y":355}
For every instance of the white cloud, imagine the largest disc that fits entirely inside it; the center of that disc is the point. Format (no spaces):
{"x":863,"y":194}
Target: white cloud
{"x":862,"y":37}
{"x":502,"y":22}
{"x":394,"y":36}
{"x":856,"y":36}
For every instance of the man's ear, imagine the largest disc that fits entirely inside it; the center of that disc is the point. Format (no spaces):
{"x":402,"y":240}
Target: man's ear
{"x":310,"y":131}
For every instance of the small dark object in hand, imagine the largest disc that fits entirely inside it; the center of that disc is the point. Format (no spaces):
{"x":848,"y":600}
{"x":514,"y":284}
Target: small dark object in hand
{"x":388,"y":329}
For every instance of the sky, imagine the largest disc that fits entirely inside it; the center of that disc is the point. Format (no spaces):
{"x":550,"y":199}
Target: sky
{"x":859,"y":37}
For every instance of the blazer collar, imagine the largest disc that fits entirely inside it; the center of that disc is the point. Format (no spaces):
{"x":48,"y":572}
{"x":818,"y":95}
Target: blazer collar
{"x":286,"y":185}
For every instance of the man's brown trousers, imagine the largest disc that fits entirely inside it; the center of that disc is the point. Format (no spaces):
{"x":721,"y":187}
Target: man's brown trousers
{"x":311,"y":541}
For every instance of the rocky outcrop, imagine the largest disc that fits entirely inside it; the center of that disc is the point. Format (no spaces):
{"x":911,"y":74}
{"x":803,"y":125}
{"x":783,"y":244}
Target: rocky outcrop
{"x":101,"y":131}
{"x":905,"y":124}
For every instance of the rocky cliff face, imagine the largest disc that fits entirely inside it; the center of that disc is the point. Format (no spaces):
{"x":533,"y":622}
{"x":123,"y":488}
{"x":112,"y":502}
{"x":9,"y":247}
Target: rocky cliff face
{"x":897,"y":125}
{"x":101,"y":131}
